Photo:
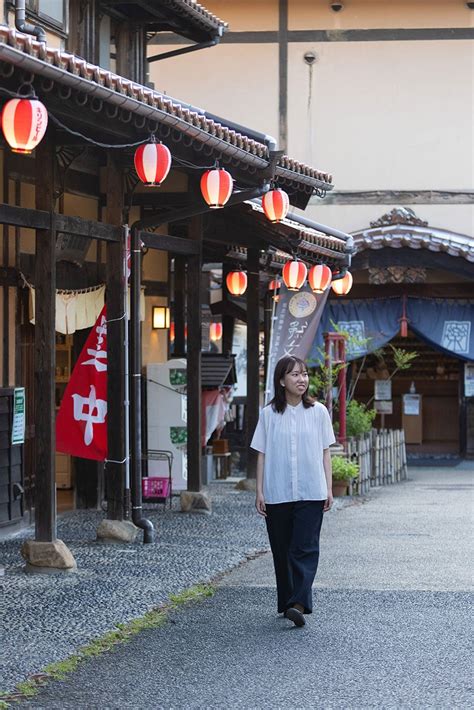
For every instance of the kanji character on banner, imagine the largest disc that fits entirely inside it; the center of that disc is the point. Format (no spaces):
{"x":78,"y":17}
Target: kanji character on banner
{"x":81,"y":423}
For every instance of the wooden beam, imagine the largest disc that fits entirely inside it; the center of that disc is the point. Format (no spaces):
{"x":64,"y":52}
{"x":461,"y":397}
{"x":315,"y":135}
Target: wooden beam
{"x":115,"y":346}
{"x":45,"y":346}
{"x":40,"y":219}
{"x":253,"y":381}
{"x":390,"y":197}
{"x":429,"y":290}
{"x":194,"y":357}
{"x":227,"y":308}
{"x":177,"y":245}
{"x":156,"y":288}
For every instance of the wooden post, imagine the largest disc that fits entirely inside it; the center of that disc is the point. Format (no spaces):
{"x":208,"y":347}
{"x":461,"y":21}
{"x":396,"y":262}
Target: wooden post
{"x":45,"y":346}
{"x":227,"y":321}
{"x":179,"y":306}
{"x":194,"y":358}
{"x":253,"y":380}
{"x":115,"y":472}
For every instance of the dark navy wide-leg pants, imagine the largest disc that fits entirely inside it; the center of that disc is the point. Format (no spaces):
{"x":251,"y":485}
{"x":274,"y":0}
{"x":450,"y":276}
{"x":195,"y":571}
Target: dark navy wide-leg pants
{"x":293,"y":529}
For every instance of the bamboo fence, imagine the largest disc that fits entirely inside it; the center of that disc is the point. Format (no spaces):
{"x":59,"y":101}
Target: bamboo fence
{"x":381,"y":456}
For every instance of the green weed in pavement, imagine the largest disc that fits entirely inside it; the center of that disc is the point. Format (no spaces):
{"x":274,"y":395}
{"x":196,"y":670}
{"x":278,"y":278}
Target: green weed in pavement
{"x":122,"y":633}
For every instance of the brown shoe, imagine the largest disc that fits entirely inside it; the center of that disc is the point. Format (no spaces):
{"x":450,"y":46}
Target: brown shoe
{"x":295,"y":616}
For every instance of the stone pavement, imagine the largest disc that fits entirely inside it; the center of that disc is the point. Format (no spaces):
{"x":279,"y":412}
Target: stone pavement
{"x":390,"y":627}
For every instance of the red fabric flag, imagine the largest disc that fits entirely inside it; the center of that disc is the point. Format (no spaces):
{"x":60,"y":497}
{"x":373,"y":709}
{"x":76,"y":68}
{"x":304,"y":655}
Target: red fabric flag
{"x":81,"y":423}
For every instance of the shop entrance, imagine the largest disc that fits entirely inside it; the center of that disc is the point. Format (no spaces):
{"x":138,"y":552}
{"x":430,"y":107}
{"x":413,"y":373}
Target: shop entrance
{"x":433,"y":426}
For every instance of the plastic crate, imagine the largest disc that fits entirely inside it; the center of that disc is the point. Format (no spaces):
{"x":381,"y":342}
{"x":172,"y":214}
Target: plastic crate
{"x":155,"y":487}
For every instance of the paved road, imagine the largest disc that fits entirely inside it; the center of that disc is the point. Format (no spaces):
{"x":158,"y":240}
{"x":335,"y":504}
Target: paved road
{"x":390,"y":627}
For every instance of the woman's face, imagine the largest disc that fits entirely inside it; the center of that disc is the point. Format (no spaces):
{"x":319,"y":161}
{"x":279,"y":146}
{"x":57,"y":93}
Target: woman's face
{"x":296,"y":380}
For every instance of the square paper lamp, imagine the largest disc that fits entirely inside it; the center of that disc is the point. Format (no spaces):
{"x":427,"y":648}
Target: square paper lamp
{"x":160,"y":317}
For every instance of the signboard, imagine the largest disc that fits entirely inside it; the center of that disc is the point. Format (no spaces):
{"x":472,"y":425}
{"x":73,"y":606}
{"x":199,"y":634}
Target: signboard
{"x":18,"y":426}
{"x":294,"y":327}
{"x":411,"y":404}
{"x":384,"y":406}
{"x":383,"y":389}
{"x":469,"y":379}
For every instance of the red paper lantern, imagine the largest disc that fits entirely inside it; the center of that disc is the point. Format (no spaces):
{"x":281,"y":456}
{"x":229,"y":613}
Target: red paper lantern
{"x":294,"y":274}
{"x":343,"y":286}
{"x":215,"y":331}
{"x":216,"y":187}
{"x":24,"y":123}
{"x":275,"y":205}
{"x":236,"y":282}
{"x":319,"y":278}
{"x":152,"y":163}
{"x":275,"y":286}
{"x":172,"y":332}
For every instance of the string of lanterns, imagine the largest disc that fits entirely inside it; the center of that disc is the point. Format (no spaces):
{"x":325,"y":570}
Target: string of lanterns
{"x":24,"y":122}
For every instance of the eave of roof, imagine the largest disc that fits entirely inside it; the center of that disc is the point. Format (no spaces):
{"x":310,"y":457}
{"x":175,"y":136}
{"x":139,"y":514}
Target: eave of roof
{"x":187,"y":18}
{"x":23,"y":51}
{"x":317,"y":244}
{"x":397,"y":236}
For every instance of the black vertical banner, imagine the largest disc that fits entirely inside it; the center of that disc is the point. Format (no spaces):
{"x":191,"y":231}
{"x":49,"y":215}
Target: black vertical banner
{"x":294,"y":327}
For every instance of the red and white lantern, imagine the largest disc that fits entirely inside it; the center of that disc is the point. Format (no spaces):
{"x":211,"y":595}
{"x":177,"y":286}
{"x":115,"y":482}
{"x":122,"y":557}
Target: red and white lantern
{"x":275,"y":205}
{"x":152,"y":163}
{"x":319,"y":278}
{"x":216,"y":187}
{"x":275,"y":286}
{"x":215,"y":332}
{"x":294,"y":274}
{"x":236,"y":282}
{"x":24,"y":123}
{"x":343,"y":286}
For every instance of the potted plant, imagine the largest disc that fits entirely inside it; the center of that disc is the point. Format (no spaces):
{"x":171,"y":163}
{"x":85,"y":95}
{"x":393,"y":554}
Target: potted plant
{"x":343,"y":471}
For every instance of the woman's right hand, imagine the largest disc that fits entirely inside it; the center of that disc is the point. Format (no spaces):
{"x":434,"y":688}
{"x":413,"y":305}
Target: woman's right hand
{"x":260,"y":504}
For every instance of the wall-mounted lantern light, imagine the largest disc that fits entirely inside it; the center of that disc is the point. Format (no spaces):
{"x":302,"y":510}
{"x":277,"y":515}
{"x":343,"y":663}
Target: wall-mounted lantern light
{"x":160,"y":317}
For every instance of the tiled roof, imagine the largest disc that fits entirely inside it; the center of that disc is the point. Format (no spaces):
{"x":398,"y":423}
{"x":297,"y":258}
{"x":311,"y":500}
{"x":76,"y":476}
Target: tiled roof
{"x":397,"y":236}
{"x":198,"y":12}
{"x":63,"y":67}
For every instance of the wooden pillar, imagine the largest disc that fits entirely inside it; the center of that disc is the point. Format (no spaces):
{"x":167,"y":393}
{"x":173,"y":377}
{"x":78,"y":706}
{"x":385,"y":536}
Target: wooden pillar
{"x":253,"y":329}
{"x":45,"y":346}
{"x":115,"y":472}
{"x":194,"y":358}
{"x":179,"y":306}
{"x":227,"y":321}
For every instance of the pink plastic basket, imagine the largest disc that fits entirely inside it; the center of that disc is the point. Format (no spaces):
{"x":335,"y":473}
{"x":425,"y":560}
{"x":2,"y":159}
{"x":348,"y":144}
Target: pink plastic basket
{"x":155,"y":487}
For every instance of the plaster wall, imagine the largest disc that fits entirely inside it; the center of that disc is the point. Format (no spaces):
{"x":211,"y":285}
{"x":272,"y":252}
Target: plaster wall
{"x":370,"y":14}
{"x":378,"y":115}
{"x":237,"y":82}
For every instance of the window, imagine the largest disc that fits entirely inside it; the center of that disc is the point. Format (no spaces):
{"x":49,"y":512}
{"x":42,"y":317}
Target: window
{"x":49,"y":13}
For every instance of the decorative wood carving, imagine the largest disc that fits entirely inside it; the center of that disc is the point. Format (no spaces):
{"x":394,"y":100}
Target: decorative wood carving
{"x":397,"y":275}
{"x":399,"y":215}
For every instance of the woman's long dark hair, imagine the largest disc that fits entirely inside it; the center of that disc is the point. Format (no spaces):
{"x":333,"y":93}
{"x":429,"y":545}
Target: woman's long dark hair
{"x":283,"y":366}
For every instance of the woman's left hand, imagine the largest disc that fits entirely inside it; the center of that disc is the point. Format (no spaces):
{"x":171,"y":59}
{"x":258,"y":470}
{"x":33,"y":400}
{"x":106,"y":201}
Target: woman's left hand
{"x":328,"y":503}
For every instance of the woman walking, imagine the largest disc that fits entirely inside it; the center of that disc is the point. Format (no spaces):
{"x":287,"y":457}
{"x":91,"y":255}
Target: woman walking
{"x":294,"y":483}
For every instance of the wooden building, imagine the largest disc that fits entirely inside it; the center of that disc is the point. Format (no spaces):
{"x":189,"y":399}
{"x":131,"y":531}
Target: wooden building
{"x":63,"y":214}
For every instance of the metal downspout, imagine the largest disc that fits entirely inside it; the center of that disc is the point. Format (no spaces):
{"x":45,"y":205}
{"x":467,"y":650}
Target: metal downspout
{"x":24,"y":26}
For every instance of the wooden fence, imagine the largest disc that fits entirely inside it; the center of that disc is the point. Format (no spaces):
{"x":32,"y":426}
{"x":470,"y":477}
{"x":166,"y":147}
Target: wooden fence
{"x":381,"y":456}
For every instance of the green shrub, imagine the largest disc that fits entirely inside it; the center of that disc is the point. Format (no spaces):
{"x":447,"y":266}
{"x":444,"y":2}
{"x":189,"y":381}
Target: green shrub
{"x":343,"y":469}
{"x":358,"y":418}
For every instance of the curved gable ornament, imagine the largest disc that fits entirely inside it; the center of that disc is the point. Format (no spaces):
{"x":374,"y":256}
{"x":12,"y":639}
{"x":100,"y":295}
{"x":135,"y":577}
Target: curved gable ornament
{"x":402,"y":228}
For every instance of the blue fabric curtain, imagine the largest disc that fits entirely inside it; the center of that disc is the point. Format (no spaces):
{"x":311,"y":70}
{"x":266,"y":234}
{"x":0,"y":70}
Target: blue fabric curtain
{"x":447,"y":325}
{"x":371,"y":323}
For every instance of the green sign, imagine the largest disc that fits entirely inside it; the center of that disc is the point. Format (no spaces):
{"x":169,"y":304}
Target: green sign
{"x":18,"y":427}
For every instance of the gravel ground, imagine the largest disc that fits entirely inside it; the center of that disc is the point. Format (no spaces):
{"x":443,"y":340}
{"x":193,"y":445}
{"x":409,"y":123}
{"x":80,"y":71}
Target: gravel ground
{"x":47,"y":618}
{"x":390,"y":627}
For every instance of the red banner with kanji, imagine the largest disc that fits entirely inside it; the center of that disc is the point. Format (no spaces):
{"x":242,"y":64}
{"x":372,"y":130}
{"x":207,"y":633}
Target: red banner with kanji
{"x":81,"y":423}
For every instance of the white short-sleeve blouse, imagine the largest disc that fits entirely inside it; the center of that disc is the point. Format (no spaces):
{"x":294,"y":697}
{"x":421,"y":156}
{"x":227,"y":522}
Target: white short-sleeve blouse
{"x":293,"y":444}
